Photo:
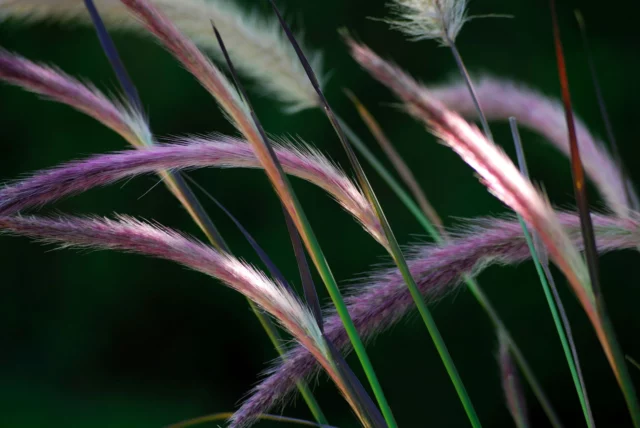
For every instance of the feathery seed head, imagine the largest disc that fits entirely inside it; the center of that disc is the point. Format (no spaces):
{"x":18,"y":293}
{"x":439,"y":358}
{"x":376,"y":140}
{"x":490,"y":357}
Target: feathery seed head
{"x":429,"y":19}
{"x":257,"y":44}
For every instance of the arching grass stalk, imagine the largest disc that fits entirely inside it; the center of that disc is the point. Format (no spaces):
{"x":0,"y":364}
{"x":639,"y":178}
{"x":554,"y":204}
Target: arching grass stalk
{"x":363,"y":405}
{"x":393,"y":246}
{"x":178,"y":186}
{"x":473,"y":286}
{"x":560,"y":319}
{"x":220,"y":88}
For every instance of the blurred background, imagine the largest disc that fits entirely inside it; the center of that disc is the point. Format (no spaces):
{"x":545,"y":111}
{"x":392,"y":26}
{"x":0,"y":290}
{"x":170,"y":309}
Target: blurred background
{"x":102,"y":339}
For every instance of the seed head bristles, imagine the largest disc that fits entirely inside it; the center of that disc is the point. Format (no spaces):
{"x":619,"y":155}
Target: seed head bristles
{"x":219,"y":151}
{"x":58,"y":86}
{"x":429,"y":19}
{"x":511,"y":385}
{"x":256,"y":43}
{"x":501,"y":99}
{"x":495,"y":169}
{"x":382,"y":299}
{"x":131,"y":235}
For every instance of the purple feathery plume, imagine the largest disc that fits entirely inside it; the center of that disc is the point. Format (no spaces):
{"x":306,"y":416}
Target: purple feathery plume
{"x":501,"y":99}
{"x":75,"y":177}
{"x":383,"y":299}
{"x":131,"y":235}
{"x":60,"y":87}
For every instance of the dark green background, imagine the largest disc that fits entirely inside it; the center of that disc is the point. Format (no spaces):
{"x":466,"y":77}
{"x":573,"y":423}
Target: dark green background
{"x":102,"y":339}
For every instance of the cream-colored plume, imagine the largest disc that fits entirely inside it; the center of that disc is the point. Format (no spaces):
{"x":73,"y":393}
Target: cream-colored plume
{"x":256,"y":44}
{"x":430,"y":19}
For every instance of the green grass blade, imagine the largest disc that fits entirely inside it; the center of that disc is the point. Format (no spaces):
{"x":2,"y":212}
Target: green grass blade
{"x":551,"y":294}
{"x":609,"y":340}
{"x":394,"y":247}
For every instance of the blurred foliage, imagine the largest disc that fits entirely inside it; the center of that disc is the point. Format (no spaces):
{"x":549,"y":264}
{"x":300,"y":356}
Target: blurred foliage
{"x":110,"y":340}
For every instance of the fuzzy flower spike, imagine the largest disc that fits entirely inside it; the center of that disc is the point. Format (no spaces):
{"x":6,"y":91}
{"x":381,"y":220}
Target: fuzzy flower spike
{"x":430,"y":19}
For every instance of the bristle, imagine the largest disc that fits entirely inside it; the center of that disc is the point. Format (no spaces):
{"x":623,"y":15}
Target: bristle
{"x":501,"y":99}
{"x":496,"y":170}
{"x":255,"y":42}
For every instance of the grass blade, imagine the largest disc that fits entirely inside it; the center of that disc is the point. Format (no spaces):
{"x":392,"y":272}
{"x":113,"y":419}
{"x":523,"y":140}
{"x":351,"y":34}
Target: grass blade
{"x":308,"y":287}
{"x":264,"y":257}
{"x":616,"y":356}
{"x":560,"y":319}
{"x":394,"y":247}
{"x":352,"y":385}
{"x":113,"y":56}
{"x":273,"y":333}
{"x":311,"y":296}
{"x":399,"y":164}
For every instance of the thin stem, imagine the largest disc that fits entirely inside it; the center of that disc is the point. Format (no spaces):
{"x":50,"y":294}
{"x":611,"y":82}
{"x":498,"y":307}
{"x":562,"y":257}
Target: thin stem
{"x":467,"y":78}
{"x":541,"y":262}
{"x":397,"y":188}
{"x":398,"y":162}
{"x":559,"y":326}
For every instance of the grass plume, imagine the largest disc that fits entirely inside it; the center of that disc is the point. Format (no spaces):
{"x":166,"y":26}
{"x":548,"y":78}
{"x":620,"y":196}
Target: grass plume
{"x":256,"y":43}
